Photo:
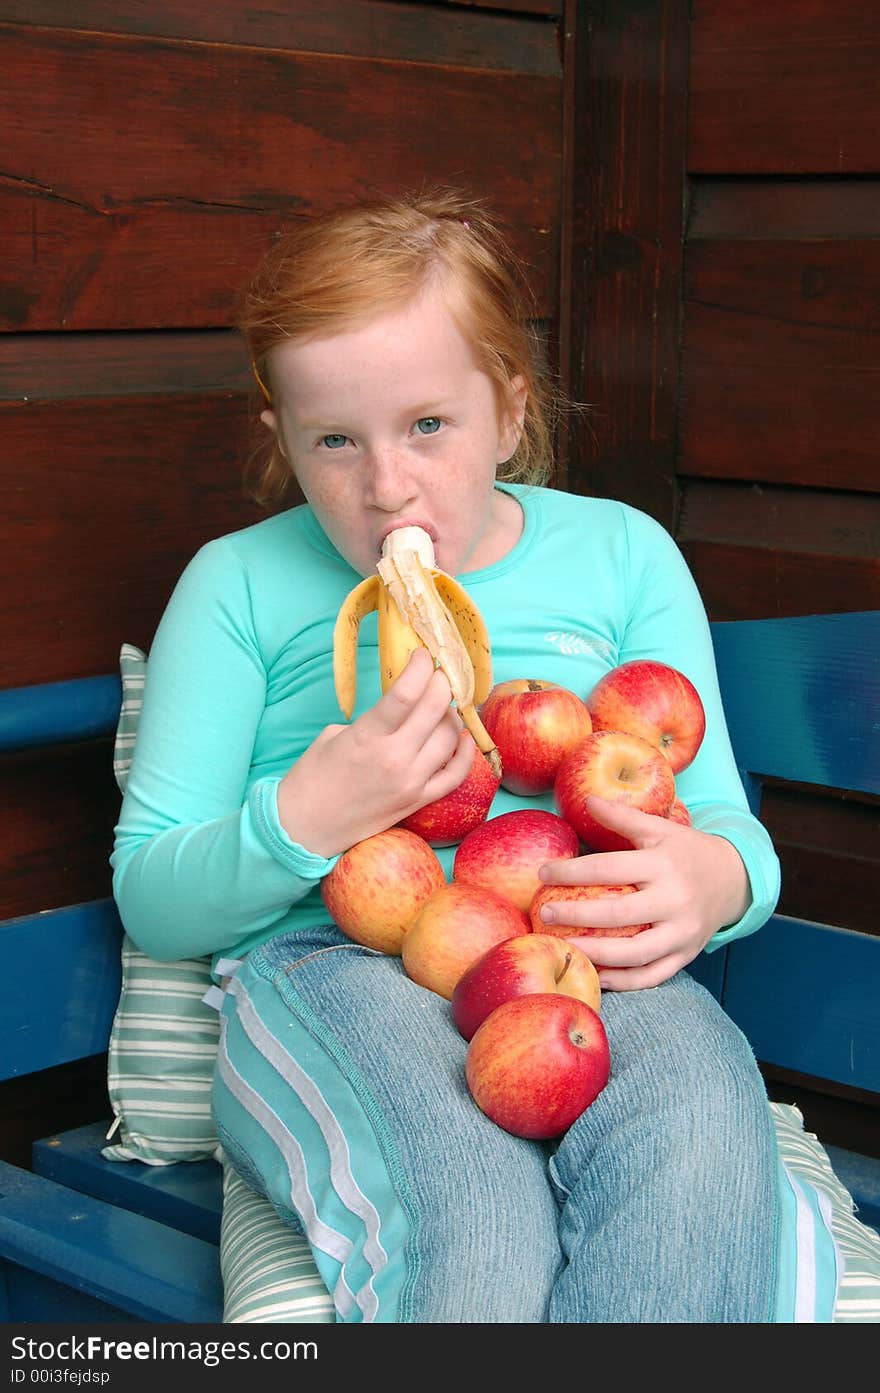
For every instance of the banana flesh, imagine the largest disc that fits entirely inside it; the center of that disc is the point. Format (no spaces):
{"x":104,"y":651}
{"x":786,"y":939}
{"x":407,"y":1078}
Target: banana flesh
{"x":419,"y":606}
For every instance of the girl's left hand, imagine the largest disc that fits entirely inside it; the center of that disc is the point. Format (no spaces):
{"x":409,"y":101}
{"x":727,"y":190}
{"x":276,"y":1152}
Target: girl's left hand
{"x":688,"y":885}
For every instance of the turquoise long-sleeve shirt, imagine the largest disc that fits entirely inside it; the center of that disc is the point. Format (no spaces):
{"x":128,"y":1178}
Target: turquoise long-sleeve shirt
{"x":240,"y":682}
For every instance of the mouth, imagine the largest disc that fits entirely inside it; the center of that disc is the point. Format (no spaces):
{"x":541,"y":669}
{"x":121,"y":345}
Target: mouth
{"x":407,"y":522}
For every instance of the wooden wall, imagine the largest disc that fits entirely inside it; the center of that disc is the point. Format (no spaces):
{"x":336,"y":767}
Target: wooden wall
{"x":152,"y":151}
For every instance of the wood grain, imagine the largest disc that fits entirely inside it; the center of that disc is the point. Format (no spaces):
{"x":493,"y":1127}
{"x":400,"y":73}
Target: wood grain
{"x":153,"y":217}
{"x":784,"y":88}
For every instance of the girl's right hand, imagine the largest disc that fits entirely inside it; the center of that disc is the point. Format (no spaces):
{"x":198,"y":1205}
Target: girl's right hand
{"x":358,"y":779}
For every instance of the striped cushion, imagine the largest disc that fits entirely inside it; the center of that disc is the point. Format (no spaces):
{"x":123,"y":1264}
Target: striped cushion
{"x":164,"y":1038}
{"x":269,"y":1274}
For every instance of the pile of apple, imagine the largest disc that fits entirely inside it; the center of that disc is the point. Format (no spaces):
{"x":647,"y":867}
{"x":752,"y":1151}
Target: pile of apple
{"x":524,"y":996}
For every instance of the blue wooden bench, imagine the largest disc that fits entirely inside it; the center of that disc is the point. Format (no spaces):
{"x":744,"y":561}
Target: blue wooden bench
{"x":83,"y":1239}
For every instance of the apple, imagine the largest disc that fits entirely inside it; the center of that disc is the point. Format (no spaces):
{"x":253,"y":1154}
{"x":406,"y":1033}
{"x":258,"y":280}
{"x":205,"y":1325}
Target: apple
{"x":619,"y":767}
{"x":572,"y":893}
{"x":531,"y":963}
{"x":655,"y":701}
{"x":679,"y":813}
{"x":534,"y":724}
{"x":504,"y":853}
{"x":377,"y":887}
{"x":537,"y":1062}
{"x":455,"y":925}
{"x":448,"y":819}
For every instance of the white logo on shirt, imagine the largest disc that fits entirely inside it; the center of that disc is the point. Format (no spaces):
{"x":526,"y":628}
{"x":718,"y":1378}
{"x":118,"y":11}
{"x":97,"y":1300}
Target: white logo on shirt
{"x":576,"y":643}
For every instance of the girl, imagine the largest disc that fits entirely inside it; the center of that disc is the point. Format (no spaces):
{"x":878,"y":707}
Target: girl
{"x":391,"y":343}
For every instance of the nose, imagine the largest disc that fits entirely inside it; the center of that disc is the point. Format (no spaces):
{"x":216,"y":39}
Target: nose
{"x":391,"y":485}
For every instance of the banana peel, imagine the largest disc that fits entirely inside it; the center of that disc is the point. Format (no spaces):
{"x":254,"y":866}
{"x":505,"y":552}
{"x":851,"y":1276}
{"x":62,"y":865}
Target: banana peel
{"x":418,"y":606}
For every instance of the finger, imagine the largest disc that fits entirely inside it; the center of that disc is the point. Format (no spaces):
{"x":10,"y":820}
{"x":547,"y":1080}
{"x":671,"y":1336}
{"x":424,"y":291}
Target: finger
{"x":432,"y":712}
{"x":434,"y":747}
{"x":637,"y":826}
{"x":610,"y":952}
{"x":597,"y":868}
{"x":395,"y":705}
{"x":610,"y":912}
{"x":632,"y":979}
{"x":450,"y":774}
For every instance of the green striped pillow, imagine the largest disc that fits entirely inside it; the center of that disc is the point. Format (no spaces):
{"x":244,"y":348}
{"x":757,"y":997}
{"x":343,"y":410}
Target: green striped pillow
{"x":164,"y":1038}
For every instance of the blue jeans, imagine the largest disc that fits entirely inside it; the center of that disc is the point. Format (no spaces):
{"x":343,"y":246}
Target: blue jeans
{"x":340,"y":1094}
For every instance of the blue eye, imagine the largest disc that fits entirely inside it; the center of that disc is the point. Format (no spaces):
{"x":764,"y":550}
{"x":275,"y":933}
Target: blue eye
{"x":334,"y":442}
{"x":428,"y":425}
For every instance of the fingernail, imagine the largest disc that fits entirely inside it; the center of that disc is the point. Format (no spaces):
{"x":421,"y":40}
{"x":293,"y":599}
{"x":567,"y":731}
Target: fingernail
{"x":548,"y":914}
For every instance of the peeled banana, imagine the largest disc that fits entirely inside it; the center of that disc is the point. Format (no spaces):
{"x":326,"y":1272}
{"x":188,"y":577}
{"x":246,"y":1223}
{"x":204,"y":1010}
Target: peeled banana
{"x":419,"y":606}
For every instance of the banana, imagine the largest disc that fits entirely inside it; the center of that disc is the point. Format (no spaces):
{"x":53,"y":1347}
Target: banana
{"x":419,"y":606}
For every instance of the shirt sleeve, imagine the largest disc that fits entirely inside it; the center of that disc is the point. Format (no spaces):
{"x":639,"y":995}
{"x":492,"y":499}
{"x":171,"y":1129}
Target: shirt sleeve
{"x":200,"y":859}
{"x":667,"y":622}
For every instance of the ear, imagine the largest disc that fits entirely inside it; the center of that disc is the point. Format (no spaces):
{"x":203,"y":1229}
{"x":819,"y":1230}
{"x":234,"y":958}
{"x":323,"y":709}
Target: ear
{"x":512,"y":417}
{"x":269,"y":419}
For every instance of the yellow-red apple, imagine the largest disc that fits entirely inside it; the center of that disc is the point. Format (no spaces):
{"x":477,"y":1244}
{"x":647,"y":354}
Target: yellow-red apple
{"x":378,"y":886}
{"x":537,"y":1062}
{"x":619,"y":767}
{"x":455,"y":925}
{"x":448,"y":819}
{"x":534,"y":962}
{"x":573,"y":893}
{"x":504,"y":853}
{"x":679,"y":813}
{"x":534,"y":723}
{"x":655,"y":701}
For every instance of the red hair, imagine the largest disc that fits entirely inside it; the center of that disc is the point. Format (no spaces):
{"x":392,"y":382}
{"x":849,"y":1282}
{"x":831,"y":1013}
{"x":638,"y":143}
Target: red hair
{"x":346,"y":265}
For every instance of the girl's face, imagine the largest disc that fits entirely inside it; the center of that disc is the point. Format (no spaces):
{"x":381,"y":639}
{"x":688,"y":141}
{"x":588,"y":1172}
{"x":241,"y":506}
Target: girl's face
{"x":392,"y":423}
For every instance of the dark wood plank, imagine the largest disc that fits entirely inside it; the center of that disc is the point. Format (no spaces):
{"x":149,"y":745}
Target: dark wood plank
{"x":827,"y":283}
{"x":50,"y":1101}
{"x":778,"y":400}
{"x":436,"y":33}
{"x":67,"y":794}
{"x":790,"y":208}
{"x":784,"y":88}
{"x":755,"y":582}
{"x":111,"y":498}
{"x":782,"y":519}
{"x":624,"y":268}
{"x":145,"y":175}
{"x":829,"y":847}
{"x":50,"y":367}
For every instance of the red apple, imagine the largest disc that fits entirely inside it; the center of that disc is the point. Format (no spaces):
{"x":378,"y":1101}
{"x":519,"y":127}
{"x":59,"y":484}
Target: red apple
{"x":448,"y":819}
{"x":455,"y":925}
{"x":378,"y":886}
{"x":534,"y":724}
{"x":534,"y":962}
{"x":679,"y":813}
{"x":619,"y":767}
{"x":655,"y":701}
{"x":505,"y":852}
{"x":571,"y":893}
{"x":537,"y":1062}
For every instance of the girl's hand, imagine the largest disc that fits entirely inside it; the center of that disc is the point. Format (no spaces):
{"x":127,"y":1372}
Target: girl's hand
{"x":688,"y":884}
{"x":355,"y":780}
